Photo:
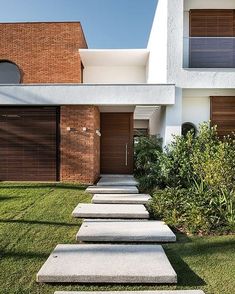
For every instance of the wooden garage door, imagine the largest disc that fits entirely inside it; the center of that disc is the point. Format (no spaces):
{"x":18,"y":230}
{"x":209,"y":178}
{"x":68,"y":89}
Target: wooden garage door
{"x":28,"y":144}
{"x":116,"y":143}
{"x":223,"y":114}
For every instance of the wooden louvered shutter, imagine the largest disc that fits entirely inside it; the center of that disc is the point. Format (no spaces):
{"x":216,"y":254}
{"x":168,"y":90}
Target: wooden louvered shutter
{"x":212,"y":23}
{"x":223,"y":114}
{"x":212,"y":44}
{"x":28,"y":143}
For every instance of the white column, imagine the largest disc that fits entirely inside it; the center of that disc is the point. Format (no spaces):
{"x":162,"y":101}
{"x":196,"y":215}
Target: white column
{"x":173,"y":118}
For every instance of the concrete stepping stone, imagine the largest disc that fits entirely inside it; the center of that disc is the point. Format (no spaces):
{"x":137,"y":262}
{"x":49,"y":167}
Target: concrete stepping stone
{"x":124,"y":231}
{"x":84,"y":210}
{"x":107,"y":264}
{"x":136,"y":292}
{"x":112,"y":190}
{"x":121,"y":198}
{"x":117,"y":180}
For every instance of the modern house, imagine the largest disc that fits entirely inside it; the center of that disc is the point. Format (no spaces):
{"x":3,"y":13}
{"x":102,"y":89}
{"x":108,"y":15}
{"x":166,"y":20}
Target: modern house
{"x":69,"y":113}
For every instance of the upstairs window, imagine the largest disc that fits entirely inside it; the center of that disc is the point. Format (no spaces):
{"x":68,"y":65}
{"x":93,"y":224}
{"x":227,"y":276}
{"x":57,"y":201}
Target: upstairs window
{"x":212,"y":38}
{"x":9,"y":73}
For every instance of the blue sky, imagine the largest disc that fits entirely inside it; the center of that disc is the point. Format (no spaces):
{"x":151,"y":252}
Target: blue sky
{"x":106,"y":23}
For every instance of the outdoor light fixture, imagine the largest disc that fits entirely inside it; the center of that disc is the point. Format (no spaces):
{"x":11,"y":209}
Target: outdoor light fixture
{"x":98,"y":133}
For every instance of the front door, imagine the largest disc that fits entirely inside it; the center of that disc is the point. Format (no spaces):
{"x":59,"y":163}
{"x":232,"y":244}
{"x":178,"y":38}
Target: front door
{"x":116,"y":143}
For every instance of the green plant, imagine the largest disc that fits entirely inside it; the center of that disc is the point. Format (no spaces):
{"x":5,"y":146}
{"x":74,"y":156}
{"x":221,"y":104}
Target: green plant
{"x":199,"y":173}
{"x":147,"y":157}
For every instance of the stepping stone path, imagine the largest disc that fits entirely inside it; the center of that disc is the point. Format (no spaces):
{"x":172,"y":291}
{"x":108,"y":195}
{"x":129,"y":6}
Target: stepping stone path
{"x":84,"y":210}
{"x":112,"y":190}
{"x":120,"y":198}
{"x":124,"y":231}
{"x":117,"y":180}
{"x":115,"y":199}
{"x":107,"y":264}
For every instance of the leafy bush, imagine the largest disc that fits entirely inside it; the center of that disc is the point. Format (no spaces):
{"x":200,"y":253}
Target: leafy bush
{"x":147,"y":157}
{"x":197,"y":174}
{"x":194,"y":210}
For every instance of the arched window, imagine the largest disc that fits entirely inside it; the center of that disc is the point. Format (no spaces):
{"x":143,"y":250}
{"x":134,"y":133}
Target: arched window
{"x":188,"y":127}
{"x":9,"y":72}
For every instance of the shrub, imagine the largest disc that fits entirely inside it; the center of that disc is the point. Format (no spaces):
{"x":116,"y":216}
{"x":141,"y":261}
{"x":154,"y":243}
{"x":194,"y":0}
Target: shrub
{"x":198,"y":174}
{"x":147,"y":157}
{"x":194,"y":210}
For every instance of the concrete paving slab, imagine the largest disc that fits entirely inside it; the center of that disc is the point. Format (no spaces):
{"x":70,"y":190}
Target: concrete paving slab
{"x":107,"y":264}
{"x":136,"y":292}
{"x":117,"y":180}
{"x":121,"y":198}
{"x":112,"y":190}
{"x":84,"y":210}
{"x":125,"y":231}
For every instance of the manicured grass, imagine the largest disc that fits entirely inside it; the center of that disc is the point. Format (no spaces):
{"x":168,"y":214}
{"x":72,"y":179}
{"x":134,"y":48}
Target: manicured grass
{"x":34,"y":218}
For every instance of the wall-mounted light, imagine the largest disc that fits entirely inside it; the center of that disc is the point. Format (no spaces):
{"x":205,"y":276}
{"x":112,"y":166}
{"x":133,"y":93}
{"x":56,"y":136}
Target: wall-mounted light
{"x":98,"y":133}
{"x":84,"y":129}
{"x":69,"y":129}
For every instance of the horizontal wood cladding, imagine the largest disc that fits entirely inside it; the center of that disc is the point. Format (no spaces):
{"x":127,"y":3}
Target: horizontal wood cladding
{"x":28,"y":145}
{"x":223,"y":114}
{"x":212,"y":23}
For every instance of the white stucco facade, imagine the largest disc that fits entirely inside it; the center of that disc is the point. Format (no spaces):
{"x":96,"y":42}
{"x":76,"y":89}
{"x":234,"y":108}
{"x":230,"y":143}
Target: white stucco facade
{"x":157,"y":76}
{"x":168,"y":63}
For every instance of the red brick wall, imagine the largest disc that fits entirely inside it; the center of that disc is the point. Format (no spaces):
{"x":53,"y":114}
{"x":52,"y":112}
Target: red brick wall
{"x":80,"y":151}
{"x":44,"y":52}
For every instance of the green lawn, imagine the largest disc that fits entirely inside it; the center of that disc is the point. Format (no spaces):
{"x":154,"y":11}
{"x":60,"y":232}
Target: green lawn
{"x":34,"y":218}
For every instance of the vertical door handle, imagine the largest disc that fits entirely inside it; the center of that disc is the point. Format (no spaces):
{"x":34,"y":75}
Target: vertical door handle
{"x":126,"y":154}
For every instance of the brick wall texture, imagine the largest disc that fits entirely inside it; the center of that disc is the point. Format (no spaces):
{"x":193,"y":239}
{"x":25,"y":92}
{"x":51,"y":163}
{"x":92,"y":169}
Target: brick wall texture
{"x":44,"y":52}
{"x":80,"y":150}
{"x":49,"y":53}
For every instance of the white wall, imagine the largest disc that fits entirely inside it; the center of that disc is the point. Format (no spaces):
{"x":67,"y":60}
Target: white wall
{"x":185,"y":77}
{"x":208,"y":4}
{"x":196,"y":110}
{"x":173,"y":119}
{"x":141,"y":124}
{"x":155,"y":122}
{"x":196,"y":103}
{"x":114,"y":75}
{"x":157,"y":45}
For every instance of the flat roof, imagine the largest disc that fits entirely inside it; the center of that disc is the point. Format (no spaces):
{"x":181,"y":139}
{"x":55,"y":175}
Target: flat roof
{"x":114,"y":57}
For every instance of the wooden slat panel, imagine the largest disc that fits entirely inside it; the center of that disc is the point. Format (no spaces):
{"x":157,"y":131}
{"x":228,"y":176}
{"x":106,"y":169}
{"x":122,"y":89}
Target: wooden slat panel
{"x":223,"y":114}
{"x":212,"y":23}
{"x":28,"y":145}
{"x":213,"y":52}
{"x":116,"y":132}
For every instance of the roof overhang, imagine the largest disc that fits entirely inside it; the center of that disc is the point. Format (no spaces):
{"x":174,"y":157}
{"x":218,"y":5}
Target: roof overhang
{"x":144,"y":112}
{"x":87,"y":94}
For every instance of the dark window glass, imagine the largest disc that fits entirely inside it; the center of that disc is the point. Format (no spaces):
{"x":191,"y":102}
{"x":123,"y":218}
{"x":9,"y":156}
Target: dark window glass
{"x":9,"y":73}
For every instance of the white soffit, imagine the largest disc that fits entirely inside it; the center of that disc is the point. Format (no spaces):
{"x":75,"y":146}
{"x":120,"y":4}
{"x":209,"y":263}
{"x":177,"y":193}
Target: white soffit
{"x":207,"y":92}
{"x":114,"y":57}
{"x":144,"y":112}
